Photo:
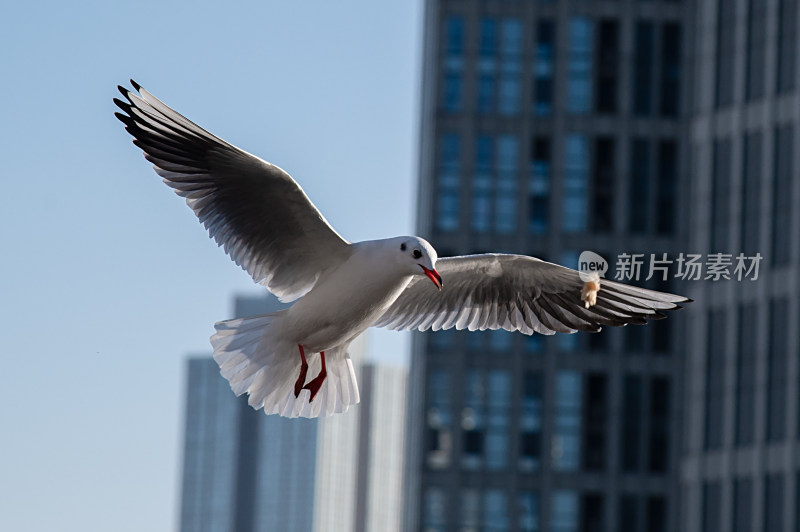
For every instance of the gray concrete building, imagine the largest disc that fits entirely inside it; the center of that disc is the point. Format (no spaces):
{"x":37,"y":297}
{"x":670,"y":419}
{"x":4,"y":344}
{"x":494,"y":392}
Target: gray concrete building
{"x":549,"y":128}
{"x":740,"y":465}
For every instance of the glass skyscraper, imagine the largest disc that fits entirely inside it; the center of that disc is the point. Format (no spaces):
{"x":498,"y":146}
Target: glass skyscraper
{"x":550,"y":128}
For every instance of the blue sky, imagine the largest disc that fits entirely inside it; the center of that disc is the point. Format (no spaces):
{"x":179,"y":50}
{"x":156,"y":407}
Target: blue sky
{"x":107,"y":281}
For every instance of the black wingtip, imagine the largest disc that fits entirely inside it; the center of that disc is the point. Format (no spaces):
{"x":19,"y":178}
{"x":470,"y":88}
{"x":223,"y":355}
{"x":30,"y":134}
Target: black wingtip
{"x":136,"y":86}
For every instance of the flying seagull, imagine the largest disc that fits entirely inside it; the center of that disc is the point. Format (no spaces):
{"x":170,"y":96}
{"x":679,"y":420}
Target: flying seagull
{"x":265,"y":222}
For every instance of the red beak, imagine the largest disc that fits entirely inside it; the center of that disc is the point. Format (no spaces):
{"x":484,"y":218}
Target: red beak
{"x":433,"y":275}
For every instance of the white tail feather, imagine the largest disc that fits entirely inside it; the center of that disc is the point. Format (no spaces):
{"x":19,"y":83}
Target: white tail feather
{"x":253,"y":362}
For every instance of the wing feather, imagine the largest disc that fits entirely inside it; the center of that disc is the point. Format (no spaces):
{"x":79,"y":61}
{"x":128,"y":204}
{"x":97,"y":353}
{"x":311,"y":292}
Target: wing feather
{"x":254,"y":210}
{"x":520,"y":293}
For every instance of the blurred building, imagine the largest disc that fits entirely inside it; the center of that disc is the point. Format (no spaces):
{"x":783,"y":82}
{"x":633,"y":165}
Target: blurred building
{"x":549,"y":128}
{"x":247,"y":472}
{"x":741,"y":464}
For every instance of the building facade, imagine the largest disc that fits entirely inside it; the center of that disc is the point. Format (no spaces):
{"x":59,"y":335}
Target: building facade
{"x":740,"y":466}
{"x":244,"y":471}
{"x":549,"y":128}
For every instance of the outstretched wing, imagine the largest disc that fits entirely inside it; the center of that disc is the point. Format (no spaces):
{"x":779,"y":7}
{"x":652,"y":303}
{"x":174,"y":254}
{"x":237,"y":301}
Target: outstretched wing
{"x":253,"y":209}
{"x":519,"y":293}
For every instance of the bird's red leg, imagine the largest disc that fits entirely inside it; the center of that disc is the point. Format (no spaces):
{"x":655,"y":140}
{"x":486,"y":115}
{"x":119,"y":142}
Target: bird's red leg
{"x":301,"y":380}
{"x":316,"y":383}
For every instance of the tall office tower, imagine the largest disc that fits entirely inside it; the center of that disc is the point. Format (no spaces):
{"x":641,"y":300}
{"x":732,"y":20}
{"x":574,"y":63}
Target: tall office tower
{"x":549,"y":128}
{"x":248,"y":472}
{"x":740,"y":470}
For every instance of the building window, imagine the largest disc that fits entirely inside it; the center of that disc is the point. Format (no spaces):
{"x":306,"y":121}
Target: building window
{"x":564,"y":512}
{"x":544,"y":67}
{"x":720,"y":195}
{"x":726,"y":50}
{"x":539,"y":198}
{"x":434,"y":510}
{"x":505,"y":214}
{"x":658,"y":442}
{"x":743,"y":505}
{"x":712,"y":506}
{"x":746,"y":357}
{"x":670,"y":69}
{"x":667,"y":186}
{"x":603,"y":193}
{"x":497,"y":406}
{"x":453,"y":71}
{"x":449,"y":183}
{"x":440,"y":420}
{"x":756,"y":49}
{"x":495,"y":511}
{"x":567,"y":432}
{"x":592,"y":515}
{"x":607,"y":67}
{"x":511,"y":66}
{"x":787,"y":45}
{"x":656,"y":519}
{"x":530,"y":423}
{"x":473,"y":422}
{"x":595,"y":414}
{"x":629,"y":513}
{"x":639,"y":195}
{"x":777,"y":369}
{"x":751,"y":193}
{"x":482,"y":184}
{"x":487,"y":66}
{"x":773,"y":503}
{"x":715,"y":378}
{"x":643,"y":69}
{"x":579,"y":69}
{"x":782,"y":181}
{"x":633,"y":398}
{"x":528,"y":512}
{"x":576,"y":174}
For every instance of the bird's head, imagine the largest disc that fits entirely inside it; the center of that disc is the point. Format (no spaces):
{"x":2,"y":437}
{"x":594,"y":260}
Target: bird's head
{"x":419,"y":257}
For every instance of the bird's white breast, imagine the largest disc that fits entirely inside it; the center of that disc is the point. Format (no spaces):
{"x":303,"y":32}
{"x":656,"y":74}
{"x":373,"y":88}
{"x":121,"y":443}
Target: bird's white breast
{"x":344,"y":303}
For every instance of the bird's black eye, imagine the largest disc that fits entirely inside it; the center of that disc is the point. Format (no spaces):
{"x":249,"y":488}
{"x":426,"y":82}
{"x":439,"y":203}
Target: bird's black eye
{"x":417,"y":253}
{"x":403,"y":246}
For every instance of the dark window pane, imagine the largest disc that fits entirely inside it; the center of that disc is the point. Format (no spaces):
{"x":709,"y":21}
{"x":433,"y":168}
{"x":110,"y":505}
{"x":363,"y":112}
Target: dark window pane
{"x":629,"y":513}
{"x":751,"y":194}
{"x":756,"y":48}
{"x":720,"y":194}
{"x":787,"y":45}
{"x":777,"y":369}
{"x":595,"y":411}
{"x":746,"y":357}
{"x":656,"y":514}
{"x":715,"y":378}
{"x":658,"y":444}
{"x":592,"y":518}
{"x":782,"y":180}
{"x":667,"y":186}
{"x":643,"y":69}
{"x":639,"y":190}
{"x":712,"y":507}
{"x":543,"y":67}
{"x":603,"y":173}
{"x":607,"y":67}
{"x":743,"y":505}
{"x":539,"y":194}
{"x":726,"y":24}
{"x":670,"y":69}
{"x":631,"y":423}
{"x":773,"y":503}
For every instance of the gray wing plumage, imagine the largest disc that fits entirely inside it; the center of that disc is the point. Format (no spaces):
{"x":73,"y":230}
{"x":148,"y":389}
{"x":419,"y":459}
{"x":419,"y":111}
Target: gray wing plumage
{"x":519,"y":293}
{"x":253,"y":209}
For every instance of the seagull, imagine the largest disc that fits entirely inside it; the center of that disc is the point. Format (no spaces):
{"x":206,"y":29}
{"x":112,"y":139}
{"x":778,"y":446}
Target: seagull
{"x":265,"y":222}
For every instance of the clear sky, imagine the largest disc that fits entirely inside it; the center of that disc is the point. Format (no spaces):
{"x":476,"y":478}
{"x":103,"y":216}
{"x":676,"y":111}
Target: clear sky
{"x":107,"y":281}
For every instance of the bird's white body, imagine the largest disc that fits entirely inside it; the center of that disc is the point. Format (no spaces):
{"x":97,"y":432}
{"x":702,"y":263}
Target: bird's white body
{"x":262,"y":218}
{"x":348,"y":300}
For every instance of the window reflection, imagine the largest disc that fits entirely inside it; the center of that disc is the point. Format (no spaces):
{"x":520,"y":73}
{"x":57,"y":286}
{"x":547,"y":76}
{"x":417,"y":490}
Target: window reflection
{"x":565,"y":450}
{"x":440,"y":420}
{"x":564,"y":511}
{"x":579,"y":69}
{"x":538,"y":203}
{"x":528,"y":511}
{"x":576,"y":173}
{"x":449,"y":182}
{"x":544,"y":67}
{"x":530,"y":423}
